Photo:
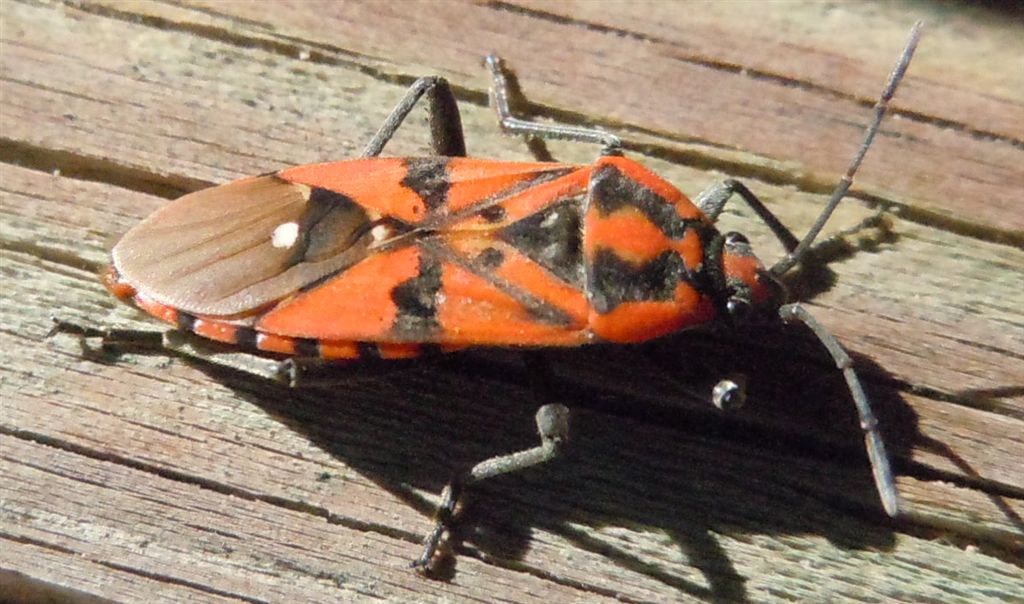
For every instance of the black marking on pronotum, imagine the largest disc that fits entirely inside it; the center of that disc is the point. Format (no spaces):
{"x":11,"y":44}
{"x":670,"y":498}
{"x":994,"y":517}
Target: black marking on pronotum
{"x":699,"y":276}
{"x":416,"y":300}
{"x":428,"y":177}
{"x":713,"y":283}
{"x":552,"y":238}
{"x":185,"y":321}
{"x":610,"y":190}
{"x":613,"y":281}
{"x":307,"y":347}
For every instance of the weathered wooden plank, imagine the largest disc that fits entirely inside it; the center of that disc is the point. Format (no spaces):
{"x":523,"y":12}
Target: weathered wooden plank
{"x":134,"y":415}
{"x":955,"y":79}
{"x":942,"y":424}
{"x":185,"y":536}
{"x":926,"y":166}
{"x":42,"y":222}
{"x":174,"y":154}
{"x":41,"y":571}
{"x":656,"y":506}
{"x":958,"y":361}
{"x":599,"y":506}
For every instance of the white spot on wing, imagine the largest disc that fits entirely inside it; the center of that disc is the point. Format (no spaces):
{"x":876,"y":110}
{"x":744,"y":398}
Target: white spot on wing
{"x":285,"y":235}
{"x":379,"y":232}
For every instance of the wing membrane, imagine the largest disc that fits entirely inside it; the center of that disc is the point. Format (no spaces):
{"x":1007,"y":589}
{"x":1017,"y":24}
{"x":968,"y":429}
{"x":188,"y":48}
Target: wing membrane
{"x":235,"y":248}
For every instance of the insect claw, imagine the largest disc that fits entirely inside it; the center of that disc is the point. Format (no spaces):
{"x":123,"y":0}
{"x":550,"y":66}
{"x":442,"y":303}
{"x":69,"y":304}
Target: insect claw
{"x":287,"y":372}
{"x":63,"y":326}
{"x":174,"y":339}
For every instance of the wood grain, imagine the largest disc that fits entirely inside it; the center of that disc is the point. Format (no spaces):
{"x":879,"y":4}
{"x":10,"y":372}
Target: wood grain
{"x":146,"y":477}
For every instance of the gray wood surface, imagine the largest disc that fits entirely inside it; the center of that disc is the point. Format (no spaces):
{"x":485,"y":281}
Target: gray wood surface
{"x":148,"y":478}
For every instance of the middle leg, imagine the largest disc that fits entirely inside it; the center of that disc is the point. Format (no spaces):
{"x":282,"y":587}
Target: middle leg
{"x":446,"y":138}
{"x":499,"y":95}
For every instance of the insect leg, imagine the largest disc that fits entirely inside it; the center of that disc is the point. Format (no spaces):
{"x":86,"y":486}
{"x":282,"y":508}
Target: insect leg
{"x":553,"y":428}
{"x":446,"y":137}
{"x":317,"y":372}
{"x":294,"y":372}
{"x":880,"y":466}
{"x":499,"y":96}
{"x":199,"y":348}
{"x":171,"y":342}
{"x":176,"y":342}
{"x":110,"y":340}
{"x":712,"y":200}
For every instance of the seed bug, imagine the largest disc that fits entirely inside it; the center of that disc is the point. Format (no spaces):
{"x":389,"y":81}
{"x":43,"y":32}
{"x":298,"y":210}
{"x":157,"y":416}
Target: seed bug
{"x":388,"y":258}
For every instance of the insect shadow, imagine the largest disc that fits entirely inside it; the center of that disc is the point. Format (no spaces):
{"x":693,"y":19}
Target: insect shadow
{"x":646,"y":455}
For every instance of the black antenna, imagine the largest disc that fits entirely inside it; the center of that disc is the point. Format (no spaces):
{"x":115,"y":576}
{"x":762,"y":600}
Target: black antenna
{"x":790,"y":259}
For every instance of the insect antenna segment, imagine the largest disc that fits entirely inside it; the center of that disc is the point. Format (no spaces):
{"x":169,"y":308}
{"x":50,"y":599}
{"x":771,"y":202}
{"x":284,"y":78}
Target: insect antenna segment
{"x":880,"y":465}
{"x":881,"y":106}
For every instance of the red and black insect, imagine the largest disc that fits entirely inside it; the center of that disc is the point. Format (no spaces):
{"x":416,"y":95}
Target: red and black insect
{"x":391,"y":257}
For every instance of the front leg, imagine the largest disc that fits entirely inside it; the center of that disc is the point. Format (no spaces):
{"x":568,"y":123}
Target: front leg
{"x":712,"y":201}
{"x":509,"y":123}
